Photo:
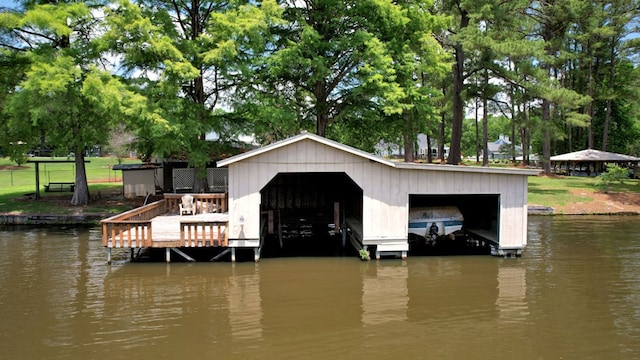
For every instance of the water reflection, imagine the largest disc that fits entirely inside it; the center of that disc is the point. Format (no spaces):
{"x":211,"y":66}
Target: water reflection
{"x":385,"y":296}
{"x":245,"y":306}
{"x":575,"y":291}
{"x":512,"y":292}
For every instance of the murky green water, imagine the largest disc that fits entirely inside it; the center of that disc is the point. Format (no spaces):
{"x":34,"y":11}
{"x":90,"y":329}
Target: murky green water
{"x":575,"y":294}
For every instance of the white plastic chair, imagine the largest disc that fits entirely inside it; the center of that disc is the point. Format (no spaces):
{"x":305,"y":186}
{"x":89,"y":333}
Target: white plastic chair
{"x":188,"y":205}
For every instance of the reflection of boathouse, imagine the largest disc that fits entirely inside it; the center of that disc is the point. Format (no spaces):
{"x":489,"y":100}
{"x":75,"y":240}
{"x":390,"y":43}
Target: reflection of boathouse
{"x":309,"y":185}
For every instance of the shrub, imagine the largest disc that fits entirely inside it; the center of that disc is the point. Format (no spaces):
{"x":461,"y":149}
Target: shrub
{"x":18,"y":153}
{"x":613,"y":174}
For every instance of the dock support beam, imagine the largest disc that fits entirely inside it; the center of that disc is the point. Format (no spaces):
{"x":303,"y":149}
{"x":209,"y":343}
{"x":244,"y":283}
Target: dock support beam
{"x":109,"y":255}
{"x":223,"y":253}
{"x":183,"y":254}
{"x":233,"y":254}
{"x":167,"y":255}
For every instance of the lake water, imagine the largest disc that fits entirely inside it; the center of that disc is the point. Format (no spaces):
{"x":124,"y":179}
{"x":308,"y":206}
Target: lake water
{"x":575,"y":294}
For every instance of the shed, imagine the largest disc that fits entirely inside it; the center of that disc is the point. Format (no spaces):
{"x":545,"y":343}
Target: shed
{"x":311,"y":176}
{"x":140,"y":179}
{"x":590,"y":162}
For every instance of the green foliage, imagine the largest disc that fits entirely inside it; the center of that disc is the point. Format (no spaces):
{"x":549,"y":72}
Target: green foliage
{"x":341,"y":64}
{"x":18,"y":152}
{"x":64,"y":96}
{"x":613,"y":174}
{"x":185,"y":59}
{"x":558,"y":75}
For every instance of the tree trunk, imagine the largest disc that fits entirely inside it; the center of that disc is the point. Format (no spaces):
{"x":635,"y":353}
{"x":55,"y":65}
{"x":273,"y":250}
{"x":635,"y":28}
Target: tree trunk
{"x":322,"y":113}
{"x":546,"y":137}
{"x":485,"y":122}
{"x":81,"y":189}
{"x":477,"y":132}
{"x":321,"y":124}
{"x":458,"y":107}
{"x":545,"y":121}
{"x":590,"y":105}
{"x":200,"y":174}
{"x":408,"y":148}
{"x":607,"y":114}
{"x":443,"y":119}
{"x":458,"y":103}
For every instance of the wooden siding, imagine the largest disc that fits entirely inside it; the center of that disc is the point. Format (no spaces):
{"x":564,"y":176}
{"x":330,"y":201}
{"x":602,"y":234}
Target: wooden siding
{"x":386,"y":190}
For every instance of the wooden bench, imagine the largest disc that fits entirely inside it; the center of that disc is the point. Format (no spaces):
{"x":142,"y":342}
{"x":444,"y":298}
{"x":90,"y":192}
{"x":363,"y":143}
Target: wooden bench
{"x":59,"y":187}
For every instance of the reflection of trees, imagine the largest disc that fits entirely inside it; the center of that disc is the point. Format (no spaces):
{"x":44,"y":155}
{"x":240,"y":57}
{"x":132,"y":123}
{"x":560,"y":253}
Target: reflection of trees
{"x":207,"y":305}
{"x":245,"y":307}
{"x":385,"y":295}
{"x":512,"y":292}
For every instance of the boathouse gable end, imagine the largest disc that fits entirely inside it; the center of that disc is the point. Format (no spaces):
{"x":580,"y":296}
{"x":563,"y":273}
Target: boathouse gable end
{"x":386,"y":189}
{"x":249,"y":176}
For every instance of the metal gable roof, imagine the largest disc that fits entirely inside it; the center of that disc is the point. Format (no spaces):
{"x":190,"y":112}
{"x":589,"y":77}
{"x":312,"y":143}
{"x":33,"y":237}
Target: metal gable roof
{"x":593,"y":155}
{"x":366,"y":155}
{"x":301,"y":137}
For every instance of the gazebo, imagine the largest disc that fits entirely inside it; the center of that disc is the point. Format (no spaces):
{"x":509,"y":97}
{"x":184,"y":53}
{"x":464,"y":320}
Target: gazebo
{"x":590,"y":162}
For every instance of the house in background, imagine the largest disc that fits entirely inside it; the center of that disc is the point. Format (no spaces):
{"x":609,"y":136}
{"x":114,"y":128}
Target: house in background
{"x":502,"y":149}
{"x":390,"y":150}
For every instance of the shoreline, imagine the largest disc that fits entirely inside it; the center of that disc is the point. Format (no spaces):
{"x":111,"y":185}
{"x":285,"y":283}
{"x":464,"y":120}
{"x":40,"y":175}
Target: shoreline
{"x":93,"y":219}
{"x":51,"y":219}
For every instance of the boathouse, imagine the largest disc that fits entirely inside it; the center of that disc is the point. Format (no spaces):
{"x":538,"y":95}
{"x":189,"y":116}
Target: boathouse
{"x":314,"y":179}
{"x":312,"y":190}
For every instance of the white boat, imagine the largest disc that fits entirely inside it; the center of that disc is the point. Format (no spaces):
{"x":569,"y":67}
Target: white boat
{"x":433,"y":222}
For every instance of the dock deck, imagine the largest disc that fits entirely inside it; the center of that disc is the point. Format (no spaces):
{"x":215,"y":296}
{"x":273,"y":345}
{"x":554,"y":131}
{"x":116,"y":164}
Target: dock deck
{"x":159,"y":225}
{"x":168,"y":229}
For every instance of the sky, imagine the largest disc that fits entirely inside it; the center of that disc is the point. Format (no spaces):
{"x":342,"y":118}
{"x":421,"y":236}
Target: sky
{"x":7,"y":3}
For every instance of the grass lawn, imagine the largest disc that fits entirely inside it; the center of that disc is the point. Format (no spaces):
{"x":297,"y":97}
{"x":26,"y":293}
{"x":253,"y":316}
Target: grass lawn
{"x":105,"y":186}
{"x":559,"y":191}
{"x":17,"y":183}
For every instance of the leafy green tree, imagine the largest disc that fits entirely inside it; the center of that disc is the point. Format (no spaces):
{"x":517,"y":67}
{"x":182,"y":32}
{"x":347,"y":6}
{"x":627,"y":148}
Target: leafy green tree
{"x":350,"y":69}
{"x":419,"y":66}
{"x":65,"y":94}
{"x":188,"y":58}
{"x":482,"y":36}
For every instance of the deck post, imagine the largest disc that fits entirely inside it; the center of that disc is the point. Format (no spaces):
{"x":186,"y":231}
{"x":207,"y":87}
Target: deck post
{"x":109,"y":255}
{"x":336,"y":216}
{"x":256,"y":254}
{"x":168,"y":254}
{"x":233,"y":254}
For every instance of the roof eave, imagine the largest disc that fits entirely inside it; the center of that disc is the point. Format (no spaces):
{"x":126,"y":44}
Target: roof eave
{"x":473,"y":169}
{"x":301,"y":137}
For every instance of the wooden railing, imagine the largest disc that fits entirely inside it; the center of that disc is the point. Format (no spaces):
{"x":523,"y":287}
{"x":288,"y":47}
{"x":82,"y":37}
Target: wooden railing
{"x":205,"y":203}
{"x":194,"y":233}
{"x":131,"y":228}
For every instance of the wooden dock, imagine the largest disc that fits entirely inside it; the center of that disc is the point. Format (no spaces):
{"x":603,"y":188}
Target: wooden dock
{"x":159,"y":225}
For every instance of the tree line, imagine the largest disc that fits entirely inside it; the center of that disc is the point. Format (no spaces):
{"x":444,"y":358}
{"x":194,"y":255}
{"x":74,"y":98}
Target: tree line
{"x":556,"y":75}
